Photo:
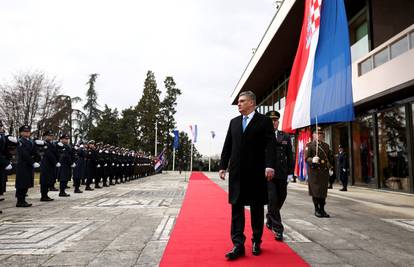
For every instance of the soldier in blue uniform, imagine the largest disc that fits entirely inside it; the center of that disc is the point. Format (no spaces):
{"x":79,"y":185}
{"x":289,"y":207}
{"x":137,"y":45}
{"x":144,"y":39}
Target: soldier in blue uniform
{"x":80,"y":170}
{"x":91,"y":165}
{"x":277,"y":187}
{"x":27,"y":160}
{"x":343,"y":168}
{"x":67,"y":161}
{"x":48,"y":165}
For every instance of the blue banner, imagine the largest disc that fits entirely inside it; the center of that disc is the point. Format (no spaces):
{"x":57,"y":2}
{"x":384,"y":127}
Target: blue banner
{"x":176,"y":143}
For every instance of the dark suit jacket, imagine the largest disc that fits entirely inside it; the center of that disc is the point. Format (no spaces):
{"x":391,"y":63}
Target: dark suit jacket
{"x":48,"y":163}
{"x":27,"y":154}
{"x":246,"y":155}
{"x":284,"y":157}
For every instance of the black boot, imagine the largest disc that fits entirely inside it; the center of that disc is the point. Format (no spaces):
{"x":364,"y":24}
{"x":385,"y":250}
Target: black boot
{"x":77,"y":190}
{"x":46,"y":198}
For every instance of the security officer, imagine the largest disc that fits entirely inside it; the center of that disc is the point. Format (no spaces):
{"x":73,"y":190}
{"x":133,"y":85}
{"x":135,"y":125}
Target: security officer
{"x":91,"y":165}
{"x":48,"y":165}
{"x":343,"y":168}
{"x":319,"y":158}
{"x":277,"y":187}
{"x":27,"y":160}
{"x":80,"y":169}
{"x":67,"y":161}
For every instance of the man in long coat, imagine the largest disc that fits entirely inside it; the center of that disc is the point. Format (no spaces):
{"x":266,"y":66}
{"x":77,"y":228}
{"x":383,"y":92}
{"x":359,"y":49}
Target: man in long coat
{"x":48,"y":165}
{"x":320,"y":160}
{"x":27,"y":160}
{"x":248,"y":154}
{"x":67,"y":161}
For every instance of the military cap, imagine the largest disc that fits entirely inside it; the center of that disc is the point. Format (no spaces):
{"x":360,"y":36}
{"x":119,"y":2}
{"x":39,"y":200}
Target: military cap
{"x":91,"y":142}
{"x":273,"y":114}
{"x":25,"y":128}
{"x":340,"y":146}
{"x":318,"y":129}
{"x":47,"y":133}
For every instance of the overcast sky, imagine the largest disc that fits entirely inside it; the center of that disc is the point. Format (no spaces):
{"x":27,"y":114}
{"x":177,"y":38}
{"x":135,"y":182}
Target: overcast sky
{"x":204,"y":44}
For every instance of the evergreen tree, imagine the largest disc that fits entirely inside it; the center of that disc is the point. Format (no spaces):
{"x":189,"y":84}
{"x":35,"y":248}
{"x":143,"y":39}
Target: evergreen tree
{"x":107,"y":127}
{"x":167,"y":111}
{"x":91,"y":105}
{"x":128,"y":129}
{"x":147,"y":112}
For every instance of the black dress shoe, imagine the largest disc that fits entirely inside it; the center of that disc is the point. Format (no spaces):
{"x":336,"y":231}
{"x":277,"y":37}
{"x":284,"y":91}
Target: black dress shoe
{"x":23,"y":205}
{"x":269,"y":225}
{"x":98,"y":187}
{"x":88,"y":188}
{"x":46,"y":199}
{"x":64,"y":194}
{"x":279,"y":236}
{"x":256,"y":250}
{"x":105,"y":185}
{"x":318,"y":214}
{"x":324,"y":214}
{"x":1,"y":199}
{"x":235,"y":253}
{"x":343,"y":189}
{"x":77,"y":191}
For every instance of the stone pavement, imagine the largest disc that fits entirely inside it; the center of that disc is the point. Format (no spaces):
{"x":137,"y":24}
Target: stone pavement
{"x":366,"y":228}
{"x":129,"y":225}
{"x":123,"y":225}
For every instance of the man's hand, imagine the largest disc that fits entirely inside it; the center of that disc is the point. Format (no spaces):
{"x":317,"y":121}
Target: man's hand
{"x":269,"y":172}
{"x":222,"y":174}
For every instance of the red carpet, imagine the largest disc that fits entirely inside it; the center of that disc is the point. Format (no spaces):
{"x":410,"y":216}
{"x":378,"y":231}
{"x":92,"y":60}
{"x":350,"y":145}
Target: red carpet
{"x":201,"y":236}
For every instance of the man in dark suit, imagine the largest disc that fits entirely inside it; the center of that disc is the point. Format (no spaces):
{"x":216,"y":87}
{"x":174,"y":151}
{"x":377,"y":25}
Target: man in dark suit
{"x":27,"y":160}
{"x":343,"y":168}
{"x":248,"y":153}
{"x":277,"y":187}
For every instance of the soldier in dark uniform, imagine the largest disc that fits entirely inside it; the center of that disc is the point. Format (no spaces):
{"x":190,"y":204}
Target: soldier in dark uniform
{"x":6,"y":141}
{"x":319,"y":158}
{"x":27,"y":160}
{"x":277,"y":187}
{"x":48,"y":165}
{"x":80,"y":169}
{"x":343,"y":168}
{"x":67,"y":161}
{"x":91,"y":164}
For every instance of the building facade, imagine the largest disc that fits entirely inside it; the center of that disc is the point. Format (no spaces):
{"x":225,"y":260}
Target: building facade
{"x":380,"y":141}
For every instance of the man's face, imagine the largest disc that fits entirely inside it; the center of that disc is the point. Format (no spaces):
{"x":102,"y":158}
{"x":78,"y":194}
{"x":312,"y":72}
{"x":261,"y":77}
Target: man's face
{"x":65,"y":140}
{"x":25,"y":134}
{"x":49,"y":138}
{"x":275,"y":123}
{"x":245,"y":105}
{"x":320,"y":136}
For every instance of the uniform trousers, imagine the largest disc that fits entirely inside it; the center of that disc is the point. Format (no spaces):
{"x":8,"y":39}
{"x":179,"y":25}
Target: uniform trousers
{"x":277,"y":192}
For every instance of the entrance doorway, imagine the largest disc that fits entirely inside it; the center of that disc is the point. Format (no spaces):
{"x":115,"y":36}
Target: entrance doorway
{"x":340,"y":137}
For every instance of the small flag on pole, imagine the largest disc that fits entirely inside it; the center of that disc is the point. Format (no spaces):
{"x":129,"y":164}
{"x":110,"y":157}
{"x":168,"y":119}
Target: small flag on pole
{"x":193,"y":129}
{"x":176,"y":143}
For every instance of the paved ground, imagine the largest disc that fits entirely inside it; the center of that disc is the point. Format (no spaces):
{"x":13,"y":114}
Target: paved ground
{"x":129,"y":225}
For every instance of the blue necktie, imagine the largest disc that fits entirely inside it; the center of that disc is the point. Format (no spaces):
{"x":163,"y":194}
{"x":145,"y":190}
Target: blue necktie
{"x":244,"y":122}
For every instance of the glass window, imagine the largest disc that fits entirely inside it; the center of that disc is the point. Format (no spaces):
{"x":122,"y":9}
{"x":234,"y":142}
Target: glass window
{"x":363,"y":151}
{"x":365,"y":66}
{"x":392,"y":149}
{"x":399,"y":47}
{"x":276,"y":101}
{"x":380,"y":58}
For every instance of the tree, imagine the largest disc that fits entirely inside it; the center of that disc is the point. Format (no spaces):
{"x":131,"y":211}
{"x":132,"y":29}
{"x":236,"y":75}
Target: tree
{"x":91,"y":106}
{"x":167,"y":111}
{"x":147,"y":112}
{"x":28,"y":98}
{"x":128,"y":125}
{"x":107,"y":127}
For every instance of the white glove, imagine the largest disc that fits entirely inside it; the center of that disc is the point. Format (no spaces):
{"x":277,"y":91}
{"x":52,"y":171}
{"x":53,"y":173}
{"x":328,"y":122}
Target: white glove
{"x":100,"y":151}
{"x":315,"y":159}
{"x":98,"y":166}
{"x":330,"y":172}
{"x":128,"y":165}
{"x":106,"y":151}
{"x":73,"y":165}
{"x":113,"y":164}
{"x":81,"y":146}
{"x":105,"y":165}
{"x":60,"y":144}
{"x":12,"y":139}
{"x":122,"y":165}
{"x":117,"y":165}
{"x":76,"y":147}
{"x":344,"y":170}
{"x":40,"y":142}
{"x":36,"y":165}
{"x":290,"y":177}
{"x":58,"y":164}
{"x":8,"y":167}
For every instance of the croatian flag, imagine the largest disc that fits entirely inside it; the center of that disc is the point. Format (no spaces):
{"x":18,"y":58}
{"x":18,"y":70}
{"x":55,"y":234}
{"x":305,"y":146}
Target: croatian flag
{"x":301,"y":167}
{"x":193,"y":129}
{"x":320,"y":85}
{"x":160,"y":161}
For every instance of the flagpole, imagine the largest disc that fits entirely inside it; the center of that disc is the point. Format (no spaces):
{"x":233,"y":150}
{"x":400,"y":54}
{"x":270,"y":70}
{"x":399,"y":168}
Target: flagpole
{"x":209,"y":157}
{"x":173,"y":158}
{"x":191,"y":157}
{"x":317,"y":136}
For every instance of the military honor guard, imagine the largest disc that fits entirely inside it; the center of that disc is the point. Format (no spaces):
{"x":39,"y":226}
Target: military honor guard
{"x":277,"y":187}
{"x":49,"y":165}
{"x":67,"y":161}
{"x":343,"y":166}
{"x":28,"y":159}
{"x":320,"y":161}
{"x":80,"y":169}
{"x":91,"y":165}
